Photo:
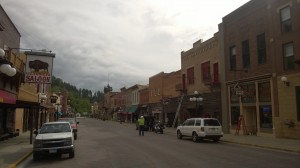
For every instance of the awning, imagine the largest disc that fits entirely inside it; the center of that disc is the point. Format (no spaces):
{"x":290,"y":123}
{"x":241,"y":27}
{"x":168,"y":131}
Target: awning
{"x":133,"y":109}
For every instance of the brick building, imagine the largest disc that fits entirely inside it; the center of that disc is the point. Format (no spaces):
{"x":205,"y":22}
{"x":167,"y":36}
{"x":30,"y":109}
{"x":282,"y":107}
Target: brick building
{"x":200,"y":74}
{"x":261,"y":45}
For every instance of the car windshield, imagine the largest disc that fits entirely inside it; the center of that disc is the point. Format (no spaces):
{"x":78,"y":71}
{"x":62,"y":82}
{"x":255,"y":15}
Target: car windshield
{"x":55,"y":128}
{"x":211,"y":122}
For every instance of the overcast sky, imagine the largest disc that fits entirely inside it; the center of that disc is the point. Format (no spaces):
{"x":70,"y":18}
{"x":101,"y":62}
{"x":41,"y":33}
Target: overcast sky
{"x":115,"y":42}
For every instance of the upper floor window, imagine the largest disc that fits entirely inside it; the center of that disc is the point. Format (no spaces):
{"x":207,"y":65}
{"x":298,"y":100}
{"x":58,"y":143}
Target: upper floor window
{"x":285,"y":19}
{"x":232,"y":57}
{"x":190,"y":76}
{"x":246,"y":54}
{"x":288,"y":56}
{"x":216,"y":73}
{"x":205,"y":67}
{"x":261,"y":49}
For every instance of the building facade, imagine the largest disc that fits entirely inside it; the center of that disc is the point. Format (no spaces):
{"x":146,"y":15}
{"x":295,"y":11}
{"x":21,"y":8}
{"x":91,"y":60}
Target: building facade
{"x":261,"y":42}
{"x":201,"y":79}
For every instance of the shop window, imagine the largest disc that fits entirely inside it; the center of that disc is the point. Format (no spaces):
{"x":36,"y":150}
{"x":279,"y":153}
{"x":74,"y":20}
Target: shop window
{"x":265,"y":113}
{"x":288,"y":56}
{"x":246,"y":54}
{"x":261,"y":49}
{"x":286,"y":19}
{"x":233,"y":97}
{"x":249,"y":95}
{"x":235,"y":114}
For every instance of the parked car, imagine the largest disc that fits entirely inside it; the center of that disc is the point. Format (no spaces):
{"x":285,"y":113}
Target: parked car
{"x":54,"y":138}
{"x":74,"y":124}
{"x":200,"y":128}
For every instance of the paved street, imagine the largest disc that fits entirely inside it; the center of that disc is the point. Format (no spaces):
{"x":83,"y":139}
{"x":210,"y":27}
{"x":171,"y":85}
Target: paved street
{"x":113,"y":145}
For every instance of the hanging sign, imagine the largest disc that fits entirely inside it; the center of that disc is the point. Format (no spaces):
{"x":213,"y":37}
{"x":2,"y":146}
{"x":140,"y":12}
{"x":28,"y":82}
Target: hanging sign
{"x":39,"y":67}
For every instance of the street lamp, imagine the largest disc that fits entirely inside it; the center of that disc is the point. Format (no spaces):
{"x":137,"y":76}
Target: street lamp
{"x":5,"y":65}
{"x":165,"y":101}
{"x":196,"y":99}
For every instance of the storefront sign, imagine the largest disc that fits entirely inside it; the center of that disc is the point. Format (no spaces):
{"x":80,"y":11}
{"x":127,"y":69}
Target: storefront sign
{"x":39,"y":67}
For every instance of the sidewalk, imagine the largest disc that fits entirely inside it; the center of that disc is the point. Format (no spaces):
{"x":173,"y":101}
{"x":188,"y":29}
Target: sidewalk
{"x":290,"y":145}
{"x":14,"y":150}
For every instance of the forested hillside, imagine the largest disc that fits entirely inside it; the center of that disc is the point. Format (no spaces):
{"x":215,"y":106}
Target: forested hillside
{"x":81,"y":100}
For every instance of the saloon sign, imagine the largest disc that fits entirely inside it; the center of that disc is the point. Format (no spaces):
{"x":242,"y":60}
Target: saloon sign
{"x":39,"y":67}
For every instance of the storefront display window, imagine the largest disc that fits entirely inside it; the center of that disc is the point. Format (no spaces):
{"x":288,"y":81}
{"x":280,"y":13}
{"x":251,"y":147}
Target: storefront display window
{"x":235,"y":113}
{"x":265,"y":117}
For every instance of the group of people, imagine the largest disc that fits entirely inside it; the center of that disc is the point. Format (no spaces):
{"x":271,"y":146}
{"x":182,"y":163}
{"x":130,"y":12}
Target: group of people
{"x":150,"y":124}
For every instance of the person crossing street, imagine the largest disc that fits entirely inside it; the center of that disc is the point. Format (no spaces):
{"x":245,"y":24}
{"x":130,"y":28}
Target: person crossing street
{"x":141,"y":122}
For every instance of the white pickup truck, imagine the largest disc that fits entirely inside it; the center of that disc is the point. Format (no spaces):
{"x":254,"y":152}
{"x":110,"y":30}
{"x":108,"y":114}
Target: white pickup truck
{"x":54,"y":138}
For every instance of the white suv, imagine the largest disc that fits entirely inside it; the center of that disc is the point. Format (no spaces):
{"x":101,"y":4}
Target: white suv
{"x":200,"y":128}
{"x":54,"y":138}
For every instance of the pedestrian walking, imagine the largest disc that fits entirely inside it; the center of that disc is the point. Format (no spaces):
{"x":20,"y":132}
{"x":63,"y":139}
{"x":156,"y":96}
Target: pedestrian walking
{"x":141,"y":122}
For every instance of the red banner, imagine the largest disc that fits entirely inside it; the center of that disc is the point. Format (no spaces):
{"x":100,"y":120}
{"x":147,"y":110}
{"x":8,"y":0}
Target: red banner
{"x":6,"y":97}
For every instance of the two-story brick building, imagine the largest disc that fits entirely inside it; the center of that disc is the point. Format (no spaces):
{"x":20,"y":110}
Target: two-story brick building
{"x":261,"y":42}
{"x":200,"y":75}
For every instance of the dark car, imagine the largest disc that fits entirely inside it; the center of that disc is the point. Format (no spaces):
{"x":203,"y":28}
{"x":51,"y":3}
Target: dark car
{"x":73,"y":123}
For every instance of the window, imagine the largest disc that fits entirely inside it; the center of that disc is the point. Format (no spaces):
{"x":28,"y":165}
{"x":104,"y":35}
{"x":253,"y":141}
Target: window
{"x":264,"y":92}
{"x":183,"y":82}
{"x":249,"y":95}
{"x":211,"y":122}
{"x":232,"y":58}
{"x":265,"y":117}
{"x":285,"y":19}
{"x":246,"y":54}
{"x":205,"y":67}
{"x":198,"y":122}
{"x":190,"y":76}
{"x":288,"y":56}
{"x":261,"y":48}
{"x":216,"y":73}
{"x":235,"y":113}
{"x":191,"y":123}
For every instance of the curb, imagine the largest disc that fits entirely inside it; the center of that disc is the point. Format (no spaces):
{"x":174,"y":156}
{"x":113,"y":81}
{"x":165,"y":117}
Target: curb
{"x":261,"y":146}
{"x":16,"y":163}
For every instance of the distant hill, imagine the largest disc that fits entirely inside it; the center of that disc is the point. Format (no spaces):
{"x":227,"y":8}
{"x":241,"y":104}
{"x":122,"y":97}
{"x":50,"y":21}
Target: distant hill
{"x":81,"y":100}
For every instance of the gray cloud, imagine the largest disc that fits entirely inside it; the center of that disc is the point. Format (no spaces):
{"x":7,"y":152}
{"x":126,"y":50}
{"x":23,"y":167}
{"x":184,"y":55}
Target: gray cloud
{"x":113,"y":41}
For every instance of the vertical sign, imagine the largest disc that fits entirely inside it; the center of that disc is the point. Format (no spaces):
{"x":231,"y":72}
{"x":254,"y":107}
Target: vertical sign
{"x":39,"y":67}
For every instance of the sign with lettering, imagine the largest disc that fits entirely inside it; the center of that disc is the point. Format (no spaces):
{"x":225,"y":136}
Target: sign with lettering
{"x":39,"y":67}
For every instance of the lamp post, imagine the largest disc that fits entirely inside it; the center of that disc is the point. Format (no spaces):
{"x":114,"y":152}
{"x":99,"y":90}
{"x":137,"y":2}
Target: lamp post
{"x":5,"y":65}
{"x":165,"y":101}
{"x":196,"y":99}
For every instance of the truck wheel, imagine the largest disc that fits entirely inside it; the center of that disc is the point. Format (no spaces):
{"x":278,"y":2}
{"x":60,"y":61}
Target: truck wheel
{"x":36,"y":156}
{"x":195,"y":137}
{"x":179,"y":136}
{"x":216,"y":139}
